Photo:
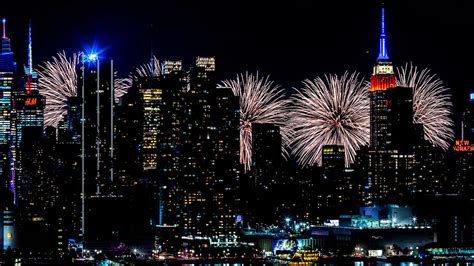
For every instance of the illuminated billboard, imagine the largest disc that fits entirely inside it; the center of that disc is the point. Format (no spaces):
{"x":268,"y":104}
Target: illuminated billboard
{"x":471,"y":96}
{"x":287,"y":245}
{"x":31,"y":101}
{"x":294,"y":250}
{"x":463,"y":146}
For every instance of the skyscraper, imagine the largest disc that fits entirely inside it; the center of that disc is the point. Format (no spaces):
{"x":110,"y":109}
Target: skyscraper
{"x":382,"y":79}
{"x":462,"y":156}
{"x":27,"y":120}
{"x":168,"y":189}
{"x":129,"y":136}
{"x":7,"y":83}
{"x":27,"y":124}
{"x":402,"y":141}
{"x":95,"y":80}
{"x":260,"y":197}
{"x":392,"y":136}
{"x":152,"y":120}
{"x":198,"y":169}
{"x":468,"y":120}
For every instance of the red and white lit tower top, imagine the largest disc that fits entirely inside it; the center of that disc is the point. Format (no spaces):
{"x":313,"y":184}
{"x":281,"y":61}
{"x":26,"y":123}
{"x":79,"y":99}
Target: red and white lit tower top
{"x":383,"y":76}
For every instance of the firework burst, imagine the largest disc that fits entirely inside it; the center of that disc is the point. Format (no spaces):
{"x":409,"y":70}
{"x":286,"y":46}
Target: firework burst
{"x":58,"y":81}
{"x":150,"y":69}
{"x":333,"y":110}
{"x":431,"y":104}
{"x":262,"y":102}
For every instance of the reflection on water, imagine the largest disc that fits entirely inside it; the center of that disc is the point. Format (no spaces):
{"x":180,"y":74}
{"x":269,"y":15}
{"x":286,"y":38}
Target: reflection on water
{"x":380,"y":263}
{"x":360,"y":263}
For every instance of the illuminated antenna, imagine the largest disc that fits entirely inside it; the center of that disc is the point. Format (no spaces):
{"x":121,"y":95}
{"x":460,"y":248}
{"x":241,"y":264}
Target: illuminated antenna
{"x":383,"y":54}
{"x":30,"y":51}
{"x":4,"y":28}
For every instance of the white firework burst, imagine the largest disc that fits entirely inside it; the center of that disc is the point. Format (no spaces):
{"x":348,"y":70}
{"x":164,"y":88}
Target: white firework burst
{"x":431,"y":104}
{"x":58,"y":82}
{"x":150,"y":69}
{"x":121,"y":86}
{"x":262,"y":102}
{"x":333,"y":110}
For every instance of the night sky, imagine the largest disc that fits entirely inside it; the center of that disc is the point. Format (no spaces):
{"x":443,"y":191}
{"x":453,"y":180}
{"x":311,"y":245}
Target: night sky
{"x":291,"y":41}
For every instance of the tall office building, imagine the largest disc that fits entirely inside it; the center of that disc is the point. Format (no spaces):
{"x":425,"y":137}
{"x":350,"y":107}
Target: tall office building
{"x":152,"y":120}
{"x":27,"y":120}
{"x":102,"y":220}
{"x":402,"y":142}
{"x":382,"y":79}
{"x":430,"y":166}
{"x":149,"y":133}
{"x":260,"y":198}
{"x":227,"y":198}
{"x":128,"y":138}
{"x":392,"y":138}
{"x":7,"y":84}
{"x":461,"y":168}
{"x":63,"y":163}
{"x":468,"y":120}
{"x":198,"y":161}
{"x":7,"y":80}
{"x":27,"y":124}
{"x":168,"y":191}
{"x":267,"y":157}
{"x":209,"y":172}
{"x":95,"y":79}
{"x":336,"y":185}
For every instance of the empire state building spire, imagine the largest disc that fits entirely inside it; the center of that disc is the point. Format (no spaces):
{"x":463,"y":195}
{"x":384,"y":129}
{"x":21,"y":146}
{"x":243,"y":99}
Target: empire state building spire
{"x":383,"y":55}
{"x":383,"y":76}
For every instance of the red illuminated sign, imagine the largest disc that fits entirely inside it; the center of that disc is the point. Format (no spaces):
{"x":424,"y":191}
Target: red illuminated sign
{"x":30,"y":101}
{"x":463,"y":146}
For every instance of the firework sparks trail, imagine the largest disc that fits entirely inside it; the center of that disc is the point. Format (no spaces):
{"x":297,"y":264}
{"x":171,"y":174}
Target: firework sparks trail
{"x":262,"y":102}
{"x":150,"y":69}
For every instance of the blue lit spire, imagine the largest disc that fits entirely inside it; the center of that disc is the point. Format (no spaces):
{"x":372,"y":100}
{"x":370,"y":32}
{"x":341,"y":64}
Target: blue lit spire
{"x":4,"y":21}
{"x":383,"y":54}
{"x":30,"y":51}
{"x":7,"y":64}
{"x":5,"y":40}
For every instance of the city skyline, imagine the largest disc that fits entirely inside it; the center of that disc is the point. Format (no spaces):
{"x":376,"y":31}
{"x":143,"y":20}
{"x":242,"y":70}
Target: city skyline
{"x":301,"y":156}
